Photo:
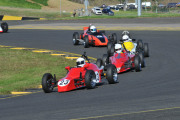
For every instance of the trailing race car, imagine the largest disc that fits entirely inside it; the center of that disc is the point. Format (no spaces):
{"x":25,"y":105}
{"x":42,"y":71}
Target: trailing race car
{"x":93,"y":37}
{"x":123,"y":60}
{"x":85,"y":74}
{"x":4,"y":27}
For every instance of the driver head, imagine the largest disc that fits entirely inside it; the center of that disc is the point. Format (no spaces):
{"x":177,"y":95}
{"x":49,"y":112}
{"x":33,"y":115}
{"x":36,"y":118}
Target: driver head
{"x":80,"y":62}
{"x":93,"y":29}
{"x":118,"y":48}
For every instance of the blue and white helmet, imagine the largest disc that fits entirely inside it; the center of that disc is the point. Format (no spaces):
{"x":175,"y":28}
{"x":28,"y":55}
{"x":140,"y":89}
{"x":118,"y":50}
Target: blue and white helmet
{"x":93,"y":29}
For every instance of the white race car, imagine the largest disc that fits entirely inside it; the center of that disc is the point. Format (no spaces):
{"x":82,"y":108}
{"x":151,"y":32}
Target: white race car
{"x":4,"y":27}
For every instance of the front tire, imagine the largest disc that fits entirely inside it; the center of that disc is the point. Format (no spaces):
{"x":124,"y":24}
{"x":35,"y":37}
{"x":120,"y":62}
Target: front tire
{"x":86,"y":42}
{"x":137,"y":63}
{"x":142,"y":61}
{"x":111,"y":74}
{"x":75,"y":38}
{"x":4,"y":27}
{"x":90,"y":79}
{"x":47,"y":83}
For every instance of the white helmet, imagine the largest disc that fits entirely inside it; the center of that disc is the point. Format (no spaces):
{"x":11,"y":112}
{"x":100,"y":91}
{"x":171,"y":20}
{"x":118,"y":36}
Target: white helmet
{"x":118,"y":48}
{"x":80,"y":62}
{"x":125,"y":37}
{"x":93,"y":29}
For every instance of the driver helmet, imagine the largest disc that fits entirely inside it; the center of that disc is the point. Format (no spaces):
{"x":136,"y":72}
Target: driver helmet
{"x":93,"y":29}
{"x":80,"y":62}
{"x":118,"y":48}
{"x":125,"y":37}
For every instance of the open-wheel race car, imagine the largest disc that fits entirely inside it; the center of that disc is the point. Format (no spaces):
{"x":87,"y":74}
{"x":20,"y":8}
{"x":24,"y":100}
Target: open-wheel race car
{"x":4,"y":27}
{"x":85,"y":74}
{"x":123,"y":60}
{"x":132,"y":45}
{"x":93,"y":37}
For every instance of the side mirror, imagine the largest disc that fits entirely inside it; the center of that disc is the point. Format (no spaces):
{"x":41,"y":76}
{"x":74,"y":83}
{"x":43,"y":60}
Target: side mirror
{"x":68,"y":68}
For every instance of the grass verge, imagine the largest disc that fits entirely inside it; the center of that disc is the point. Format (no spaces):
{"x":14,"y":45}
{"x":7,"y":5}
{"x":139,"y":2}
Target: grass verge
{"x":19,"y":3}
{"x":43,"y":2}
{"x":23,"y":69}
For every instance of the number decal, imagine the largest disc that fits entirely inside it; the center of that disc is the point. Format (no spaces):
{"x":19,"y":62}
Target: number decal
{"x":97,"y":76}
{"x":63,"y":82}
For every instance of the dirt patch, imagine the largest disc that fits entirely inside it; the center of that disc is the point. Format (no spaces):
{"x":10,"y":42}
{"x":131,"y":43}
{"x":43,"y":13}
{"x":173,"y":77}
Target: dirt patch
{"x":66,"y":5}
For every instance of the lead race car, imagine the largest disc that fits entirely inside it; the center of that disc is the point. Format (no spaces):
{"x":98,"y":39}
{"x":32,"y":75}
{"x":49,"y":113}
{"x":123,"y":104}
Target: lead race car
{"x":93,"y":37}
{"x":4,"y":27}
{"x":85,"y":74}
{"x":131,"y":45}
{"x":122,"y":59}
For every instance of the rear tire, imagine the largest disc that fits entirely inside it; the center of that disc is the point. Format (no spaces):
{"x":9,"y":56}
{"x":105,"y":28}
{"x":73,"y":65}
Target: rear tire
{"x":146,"y":50}
{"x":111,"y":74}
{"x":99,"y":62}
{"x":114,"y":38}
{"x":75,"y":38}
{"x":105,"y":60}
{"x":4,"y":27}
{"x":47,"y":83}
{"x":137,"y":63}
{"x":140,"y":44}
{"x":111,"y":51}
{"x":90,"y":78}
{"x":86,"y":42}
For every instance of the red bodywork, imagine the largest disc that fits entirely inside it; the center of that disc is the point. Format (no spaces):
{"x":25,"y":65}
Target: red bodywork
{"x":71,"y":81}
{"x":97,"y":39}
{"x":122,"y":61}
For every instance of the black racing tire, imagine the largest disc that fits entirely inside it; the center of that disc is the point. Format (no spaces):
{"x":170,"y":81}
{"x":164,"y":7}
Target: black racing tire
{"x":111,"y":74}
{"x":105,"y":60}
{"x":114,"y":38}
{"x":89,"y":79}
{"x":137,"y":64}
{"x":140,"y":44}
{"x":99,"y":62}
{"x":146,"y":50}
{"x":142,"y":60}
{"x":109,"y":45}
{"x":86,"y":42}
{"x":47,"y":83}
{"x":111,"y":51}
{"x":75,"y":38}
{"x":4,"y":27}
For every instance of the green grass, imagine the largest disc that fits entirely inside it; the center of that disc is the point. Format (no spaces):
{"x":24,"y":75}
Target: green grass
{"x":43,"y":2}
{"x":22,"y":69}
{"x":19,"y":4}
{"x":32,"y":13}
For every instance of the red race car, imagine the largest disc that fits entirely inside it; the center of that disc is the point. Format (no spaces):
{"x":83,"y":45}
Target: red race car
{"x":4,"y":27}
{"x":93,"y":37}
{"x":85,"y":74}
{"x":123,"y":60}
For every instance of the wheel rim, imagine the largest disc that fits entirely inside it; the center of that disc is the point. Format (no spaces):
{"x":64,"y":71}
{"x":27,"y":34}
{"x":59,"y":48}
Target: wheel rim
{"x":49,"y":85}
{"x":74,"y":40}
{"x":115,"y":76}
{"x":93,"y":81}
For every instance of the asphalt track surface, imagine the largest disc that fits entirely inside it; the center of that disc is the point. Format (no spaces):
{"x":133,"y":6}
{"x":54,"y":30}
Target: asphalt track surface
{"x":152,"y":94}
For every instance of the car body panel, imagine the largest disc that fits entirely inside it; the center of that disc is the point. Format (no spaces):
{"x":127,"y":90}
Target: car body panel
{"x":71,"y":80}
